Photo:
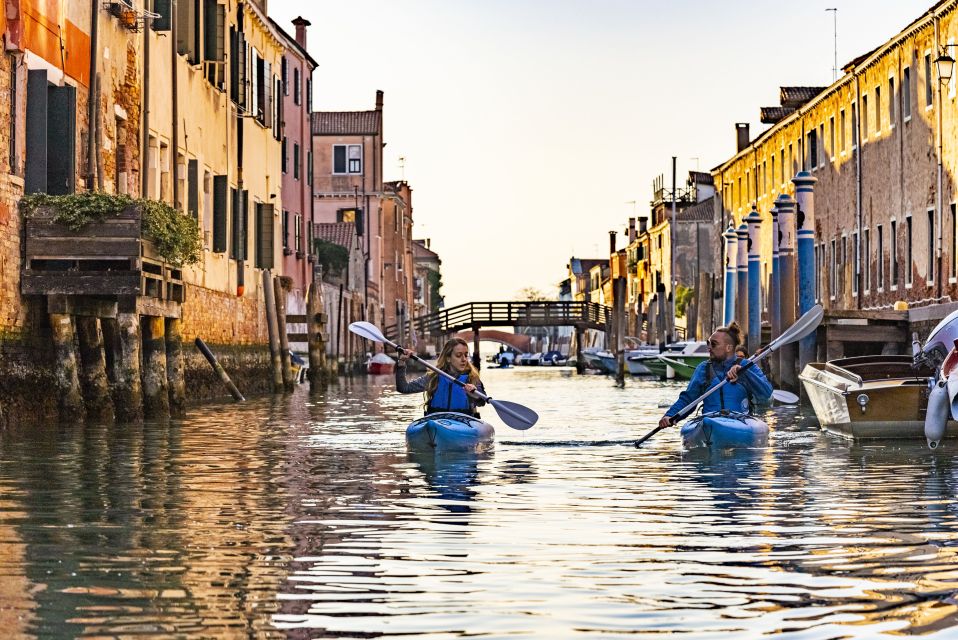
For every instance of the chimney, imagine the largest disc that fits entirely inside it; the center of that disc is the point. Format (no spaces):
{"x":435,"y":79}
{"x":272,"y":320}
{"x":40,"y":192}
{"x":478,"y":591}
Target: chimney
{"x":427,"y":243}
{"x":631,"y":230}
{"x":301,"y":23}
{"x":643,"y":224}
{"x":379,"y":100}
{"x":741,"y":135}
{"x":611,"y":242}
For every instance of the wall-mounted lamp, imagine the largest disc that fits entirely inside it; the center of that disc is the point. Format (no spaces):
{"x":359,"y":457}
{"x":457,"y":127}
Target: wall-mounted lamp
{"x":945,"y":64}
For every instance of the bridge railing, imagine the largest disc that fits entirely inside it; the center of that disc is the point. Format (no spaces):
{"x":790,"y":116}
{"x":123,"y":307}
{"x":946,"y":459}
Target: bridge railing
{"x":516,"y":314}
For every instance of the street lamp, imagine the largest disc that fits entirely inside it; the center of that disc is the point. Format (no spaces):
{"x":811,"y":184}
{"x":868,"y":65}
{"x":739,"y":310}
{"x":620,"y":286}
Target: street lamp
{"x":945,"y":64}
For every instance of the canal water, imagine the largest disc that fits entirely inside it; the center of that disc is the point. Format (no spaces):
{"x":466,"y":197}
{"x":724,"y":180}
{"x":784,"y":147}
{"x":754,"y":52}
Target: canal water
{"x":305,"y":517}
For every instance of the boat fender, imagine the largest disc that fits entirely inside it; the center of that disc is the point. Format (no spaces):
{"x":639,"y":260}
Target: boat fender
{"x":936,"y":416}
{"x":953,"y":394}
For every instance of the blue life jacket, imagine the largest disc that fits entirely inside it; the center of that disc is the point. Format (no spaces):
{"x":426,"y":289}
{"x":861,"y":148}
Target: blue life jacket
{"x":449,"y":396}
{"x":731,"y":397}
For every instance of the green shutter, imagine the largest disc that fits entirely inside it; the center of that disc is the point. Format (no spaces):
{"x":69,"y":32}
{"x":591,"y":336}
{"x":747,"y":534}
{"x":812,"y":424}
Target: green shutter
{"x":264,"y":236}
{"x":220,"y":207}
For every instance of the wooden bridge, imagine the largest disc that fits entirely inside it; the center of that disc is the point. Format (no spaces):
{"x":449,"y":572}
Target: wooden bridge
{"x":472,"y":316}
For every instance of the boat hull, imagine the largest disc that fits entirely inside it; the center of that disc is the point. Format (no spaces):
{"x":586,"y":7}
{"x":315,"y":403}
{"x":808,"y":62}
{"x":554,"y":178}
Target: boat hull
{"x":724,"y":430}
{"x":379,"y":368}
{"x":871,"y":397}
{"x":449,"y":432}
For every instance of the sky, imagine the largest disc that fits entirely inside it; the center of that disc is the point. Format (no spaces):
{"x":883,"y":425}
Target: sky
{"x":529,"y":129}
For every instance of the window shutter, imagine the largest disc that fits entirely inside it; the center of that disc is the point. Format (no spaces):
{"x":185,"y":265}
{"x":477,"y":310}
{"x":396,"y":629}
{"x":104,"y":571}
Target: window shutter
{"x":284,"y":67}
{"x":234,"y":224}
{"x":220,"y":206}
{"x":193,"y":188}
{"x":162,"y":23}
{"x":339,"y":158}
{"x":241,"y":71}
{"x":244,"y":224}
{"x":61,"y":135}
{"x":264,"y":236}
{"x":267,"y":95}
{"x":35,"y":172}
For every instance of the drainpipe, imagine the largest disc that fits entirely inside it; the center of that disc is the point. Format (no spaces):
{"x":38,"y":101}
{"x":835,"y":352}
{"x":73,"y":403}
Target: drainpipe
{"x":939,"y":218}
{"x":175,"y":143}
{"x":243,"y":212}
{"x":145,"y":144}
{"x":858,"y":188}
{"x":91,"y":101}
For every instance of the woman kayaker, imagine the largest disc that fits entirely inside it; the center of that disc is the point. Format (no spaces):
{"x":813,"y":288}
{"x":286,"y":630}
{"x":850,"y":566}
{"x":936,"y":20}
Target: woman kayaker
{"x":441,"y":393}
{"x":746,"y":388}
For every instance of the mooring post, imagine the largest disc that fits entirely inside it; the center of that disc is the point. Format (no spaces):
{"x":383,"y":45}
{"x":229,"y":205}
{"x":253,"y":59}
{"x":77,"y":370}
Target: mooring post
{"x":316,"y":326}
{"x":220,"y":371}
{"x":156,"y":398}
{"x":174,"y":365}
{"x":786,"y":258}
{"x":619,"y":310}
{"x":754,"y":327}
{"x":579,"y":364}
{"x":127,"y":389}
{"x":272,"y":328}
{"x":96,"y":386}
{"x":476,"y":361}
{"x":731,"y":264}
{"x":280,"y":287}
{"x":805,"y":223}
{"x":775,"y":294}
{"x":741,"y":292}
{"x":68,"y":380}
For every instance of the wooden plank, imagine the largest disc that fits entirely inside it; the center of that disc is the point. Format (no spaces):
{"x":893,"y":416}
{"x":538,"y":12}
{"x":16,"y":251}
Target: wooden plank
{"x":82,"y":247}
{"x":297,"y":337}
{"x":873,"y":333}
{"x":80,"y":282}
{"x":107,"y":229}
{"x":295,"y":318}
{"x":47,"y":213}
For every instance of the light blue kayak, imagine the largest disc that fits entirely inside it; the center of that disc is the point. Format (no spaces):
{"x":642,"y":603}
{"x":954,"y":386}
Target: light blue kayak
{"x":724,"y":430}
{"x":447,"y":432}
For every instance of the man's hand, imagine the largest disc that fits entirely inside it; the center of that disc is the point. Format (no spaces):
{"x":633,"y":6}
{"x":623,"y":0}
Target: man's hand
{"x":404,"y":355}
{"x":665,"y":422}
{"x":733,"y":373}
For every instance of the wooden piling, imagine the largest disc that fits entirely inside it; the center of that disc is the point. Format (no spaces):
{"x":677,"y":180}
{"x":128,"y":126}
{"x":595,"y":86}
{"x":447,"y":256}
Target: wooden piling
{"x":281,"y":285}
{"x":174,"y":365}
{"x":316,"y":326}
{"x":476,"y":358}
{"x":127,"y":388}
{"x":68,"y":381}
{"x":579,"y":363}
{"x":269,"y":297}
{"x":619,"y":311}
{"x":156,"y":398}
{"x":220,"y":371}
{"x":93,"y":380}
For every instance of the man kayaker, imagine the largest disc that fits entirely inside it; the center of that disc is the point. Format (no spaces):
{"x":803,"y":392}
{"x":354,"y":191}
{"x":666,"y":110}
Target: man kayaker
{"x":441,"y":393}
{"x":747,"y":387}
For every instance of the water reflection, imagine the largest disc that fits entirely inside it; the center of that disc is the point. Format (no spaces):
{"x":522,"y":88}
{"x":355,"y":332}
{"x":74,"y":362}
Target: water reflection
{"x":306,"y":517}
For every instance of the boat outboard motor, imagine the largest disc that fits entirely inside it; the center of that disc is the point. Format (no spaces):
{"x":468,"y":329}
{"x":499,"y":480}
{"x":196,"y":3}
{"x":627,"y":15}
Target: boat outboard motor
{"x":940,"y":341}
{"x":937,"y":414}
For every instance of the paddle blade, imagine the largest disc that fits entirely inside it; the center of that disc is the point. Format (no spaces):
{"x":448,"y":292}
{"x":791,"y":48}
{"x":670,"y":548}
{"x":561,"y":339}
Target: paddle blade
{"x":785,"y":397}
{"x":367,"y":330}
{"x":802,"y":327}
{"x":514,"y":415}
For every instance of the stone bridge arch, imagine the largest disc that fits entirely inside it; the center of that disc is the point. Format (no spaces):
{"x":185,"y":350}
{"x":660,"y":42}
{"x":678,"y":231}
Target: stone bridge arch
{"x":519,"y":342}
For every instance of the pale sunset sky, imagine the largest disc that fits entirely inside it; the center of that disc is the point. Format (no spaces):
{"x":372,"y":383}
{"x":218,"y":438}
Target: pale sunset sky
{"x":528,"y":126}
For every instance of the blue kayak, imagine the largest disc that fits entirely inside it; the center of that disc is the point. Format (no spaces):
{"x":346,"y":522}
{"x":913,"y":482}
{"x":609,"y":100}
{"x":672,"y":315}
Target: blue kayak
{"x":724,"y":430}
{"x":449,"y":431}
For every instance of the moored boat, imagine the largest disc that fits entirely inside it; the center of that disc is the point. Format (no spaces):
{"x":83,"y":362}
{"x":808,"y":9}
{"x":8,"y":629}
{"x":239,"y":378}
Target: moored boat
{"x":380,"y":364}
{"x":723,"y":430}
{"x":449,"y":432}
{"x":690,"y":353}
{"x":682,"y":370}
{"x":872,"y":396}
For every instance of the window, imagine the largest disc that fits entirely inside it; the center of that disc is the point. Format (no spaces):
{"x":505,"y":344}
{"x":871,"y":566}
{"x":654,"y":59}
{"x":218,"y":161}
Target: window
{"x":12,"y":130}
{"x":833,"y":272}
{"x":891,"y":102}
{"x":297,"y":92}
{"x":864,"y":116}
{"x":781,"y":167}
{"x":284,"y":74}
{"x":841,"y":131}
{"x":773,"y":170}
{"x":765,"y":174}
{"x":283,"y":161}
{"x":220,"y":213}
{"x":908,"y":251}
{"x":893,"y":254}
{"x":929,"y":93}
{"x":818,"y":270}
{"x":856,"y":262}
{"x":831,"y":136}
{"x":854,"y":126}
{"x":285,"y":229}
{"x":906,"y":94}
{"x":821,"y":145}
{"x":298,"y":234}
{"x":309,"y":168}
{"x":877,"y":109}
{"x":866,"y":261}
{"x":931,"y":246}
{"x":843,"y":260}
{"x":347,"y":158}
{"x":813,"y":149}
{"x":214,"y":50}
{"x":264,"y":235}
{"x":880,"y":263}
{"x":309,"y":95}
{"x":296,"y":161}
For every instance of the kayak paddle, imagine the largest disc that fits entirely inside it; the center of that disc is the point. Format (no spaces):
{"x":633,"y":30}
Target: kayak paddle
{"x":802,"y":327}
{"x":513,"y":414}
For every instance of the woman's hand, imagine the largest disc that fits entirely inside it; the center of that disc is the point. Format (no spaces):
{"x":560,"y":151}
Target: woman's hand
{"x":470,"y":388}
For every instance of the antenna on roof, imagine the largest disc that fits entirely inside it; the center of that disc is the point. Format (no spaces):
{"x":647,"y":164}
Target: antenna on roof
{"x":402,"y":167}
{"x":834,"y":11}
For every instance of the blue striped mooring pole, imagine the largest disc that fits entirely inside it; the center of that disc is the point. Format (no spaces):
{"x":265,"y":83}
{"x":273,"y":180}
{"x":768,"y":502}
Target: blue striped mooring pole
{"x":805,"y":198}
{"x":754,"y":328}
{"x":741,"y":297}
{"x":731,"y":239}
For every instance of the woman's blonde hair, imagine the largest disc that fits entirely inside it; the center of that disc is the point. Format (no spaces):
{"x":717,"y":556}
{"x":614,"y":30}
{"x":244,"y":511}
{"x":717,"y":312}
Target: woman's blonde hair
{"x":442,"y":362}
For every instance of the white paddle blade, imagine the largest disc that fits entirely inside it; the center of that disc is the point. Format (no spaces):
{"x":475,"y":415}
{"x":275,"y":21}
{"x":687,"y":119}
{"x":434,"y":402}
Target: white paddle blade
{"x":367,"y":330}
{"x":515,"y":415}
{"x":802,"y":327}
{"x":785,"y":397}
